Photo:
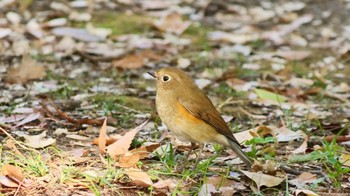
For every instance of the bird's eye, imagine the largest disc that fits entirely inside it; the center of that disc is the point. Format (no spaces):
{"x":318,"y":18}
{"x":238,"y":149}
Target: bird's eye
{"x":165,"y":78}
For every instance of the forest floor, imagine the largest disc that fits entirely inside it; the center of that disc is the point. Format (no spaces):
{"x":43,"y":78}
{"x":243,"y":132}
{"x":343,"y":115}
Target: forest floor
{"x":278,"y":71}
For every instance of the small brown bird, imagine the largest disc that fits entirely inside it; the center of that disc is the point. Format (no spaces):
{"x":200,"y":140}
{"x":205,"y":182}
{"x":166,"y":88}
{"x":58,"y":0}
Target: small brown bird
{"x":189,"y":113}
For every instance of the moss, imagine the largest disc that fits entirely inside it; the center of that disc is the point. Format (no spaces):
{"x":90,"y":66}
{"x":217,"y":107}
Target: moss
{"x":198,"y":33}
{"x":121,"y":23}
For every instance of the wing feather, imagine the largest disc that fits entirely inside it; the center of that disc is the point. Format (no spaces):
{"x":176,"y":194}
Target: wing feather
{"x":208,"y":113}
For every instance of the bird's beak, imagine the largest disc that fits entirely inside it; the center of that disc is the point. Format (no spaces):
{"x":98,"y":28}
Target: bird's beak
{"x":152,"y":74}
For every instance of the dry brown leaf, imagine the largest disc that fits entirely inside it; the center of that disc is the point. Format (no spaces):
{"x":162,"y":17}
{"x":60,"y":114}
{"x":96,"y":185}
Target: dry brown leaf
{"x":102,"y":138}
{"x":345,"y":159}
{"x":8,"y":182}
{"x":139,"y":177}
{"x":306,"y":177}
{"x":29,"y":69}
{"x":137,"y":60}
{"x":144,"y":151}
{"x":224,"y":186}
{"x":121,"y":146}
{"x":305,"y":192}
{"x":208,"y":189}
{"x":132,"y":61}
{"x":128,"y":160}
{"x":39,"y":141}
{"x":109,"y":141}
{"x":165,"y":183}
{"x":11,"y":144}
{"x":294,"y":55}
{"x":13,"y":172}
{"x":172,"y":23}
{"x":222,"y":36}
{"x":302,"y":148}
{"x":262,"y":179}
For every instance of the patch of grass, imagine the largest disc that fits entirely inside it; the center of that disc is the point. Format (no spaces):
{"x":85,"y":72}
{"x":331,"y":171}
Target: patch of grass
{"x":300,"y":68}
{"x":257,"y":141}
{"x":329,"y":158}
{"x":189,"y":176}
{"x":198,"y":33}
{"x":223,"y":90}
{"x":63,"y":93}
{"x":121,"y":23}
{"x":32,"y":162}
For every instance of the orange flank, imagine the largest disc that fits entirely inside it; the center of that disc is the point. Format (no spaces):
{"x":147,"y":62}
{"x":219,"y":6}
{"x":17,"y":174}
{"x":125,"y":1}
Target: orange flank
{"x":187,"y":115}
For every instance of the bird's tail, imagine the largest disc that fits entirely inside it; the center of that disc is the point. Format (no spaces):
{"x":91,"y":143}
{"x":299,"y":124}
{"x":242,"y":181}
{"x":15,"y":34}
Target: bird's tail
{"x":237,"y":148}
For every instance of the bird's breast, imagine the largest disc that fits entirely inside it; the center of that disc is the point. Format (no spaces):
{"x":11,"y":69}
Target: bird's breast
{"x":183,"y":124}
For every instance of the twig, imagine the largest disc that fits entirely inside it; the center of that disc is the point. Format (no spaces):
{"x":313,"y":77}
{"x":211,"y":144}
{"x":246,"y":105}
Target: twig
{"x":9,"y":135}
{"x":290,"y":170}
{"x":19,"y":186}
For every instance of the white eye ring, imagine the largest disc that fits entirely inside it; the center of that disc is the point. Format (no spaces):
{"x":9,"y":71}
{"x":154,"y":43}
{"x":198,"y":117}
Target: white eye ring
{"x":165,"y":78}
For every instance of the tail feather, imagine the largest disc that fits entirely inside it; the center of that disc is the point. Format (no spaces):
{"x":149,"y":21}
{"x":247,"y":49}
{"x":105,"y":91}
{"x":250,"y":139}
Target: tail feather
{"x":236,"y":147}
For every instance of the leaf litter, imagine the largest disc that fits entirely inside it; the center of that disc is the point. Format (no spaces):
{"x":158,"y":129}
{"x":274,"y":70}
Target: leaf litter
{"x":277,"y":70}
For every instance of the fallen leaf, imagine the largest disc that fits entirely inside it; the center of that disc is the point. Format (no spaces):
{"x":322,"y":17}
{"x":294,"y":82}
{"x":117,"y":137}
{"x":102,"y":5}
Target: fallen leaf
{"x":102,"y":138}
{"x":139,"y":177}
{"x":261,"y":179}
{"x":132,"y":61}
{"x":13,"y":172}
{"x":285,"y":135}
{"x":39,"y":141}
{"x":345,"y":159}
{"x":77,"y":137}
{"x":76,"y":33}
{"x":207,"y":189}
{"x":294,"y":55}
{"x":231,"y":37}
{"x":12,"y":118}
{"x":122,"y":145}
{"x":137,"y":60}
{"x":29,"y":118}
{"x":34,"y":28}
{"x":305,"y":192}
{"x":267,"y":95}
{"x":302,"y":148}
{"x":202,"y":82}
{"x":29,"y":69}
{"x":4,"y":32}
{"x":8,"y":182}
{"x":172,"y":23}
{"x":145,"y":150}
{"x":128,"y":160}
{"x":305,"y":177}
{"x":109,"y":141}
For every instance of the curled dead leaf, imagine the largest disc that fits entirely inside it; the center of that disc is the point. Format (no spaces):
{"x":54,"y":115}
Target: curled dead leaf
{"x":29,"y":69}
{"x":144,"y":151}
{"x":172,"y":23}
{"x":261,"y":179}
{"x":8,"y":182}
{"x":139,"y":177}
{"x":102,"y":138}
{"x":128,"y":160}
{"x":121,"y":146}
{"x":13,"y":172}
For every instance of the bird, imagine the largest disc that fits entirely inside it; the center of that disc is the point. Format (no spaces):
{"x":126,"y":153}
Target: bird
{"x":189,"y":114}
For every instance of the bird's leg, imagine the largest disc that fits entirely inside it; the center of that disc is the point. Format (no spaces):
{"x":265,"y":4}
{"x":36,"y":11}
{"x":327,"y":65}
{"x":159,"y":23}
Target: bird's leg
{"x":199,"y":156}
{"x":189,"y":152}
{"x":187,"y":156}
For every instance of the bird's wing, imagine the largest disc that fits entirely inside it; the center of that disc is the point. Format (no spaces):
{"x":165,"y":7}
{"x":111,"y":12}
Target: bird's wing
{"x":208,"y":113}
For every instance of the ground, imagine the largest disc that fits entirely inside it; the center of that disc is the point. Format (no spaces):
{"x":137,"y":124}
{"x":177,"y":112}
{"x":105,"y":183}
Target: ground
{"x":77,"y":107}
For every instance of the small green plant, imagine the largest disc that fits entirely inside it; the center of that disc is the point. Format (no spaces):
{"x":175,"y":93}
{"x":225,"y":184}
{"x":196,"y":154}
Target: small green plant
{"x":257,"y":141}
{"x":334,"y":167}
{"x":168,"y":157}
{"x":63,"y":93}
